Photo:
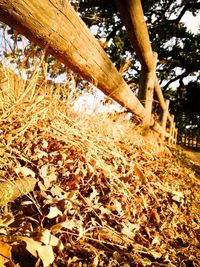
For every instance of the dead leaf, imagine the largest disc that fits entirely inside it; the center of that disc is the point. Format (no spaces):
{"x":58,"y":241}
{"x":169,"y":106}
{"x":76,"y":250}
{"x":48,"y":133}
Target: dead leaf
{"x":44,"y":171}
{"x":50,"y":180}
{"x":156,"y":254}
{"x":5,"y":253}
{"x":45,"y":237}
{"x":178,"y":196}
{"x":156,"y":240}
{"x":46,"y":254}
{"x":25,"y":171}
{"x":129,"y":229}
{"x":48,"y":239}
{"x":37,"y":249}
{"x":53,"y":213}
{"x":6,"y":219}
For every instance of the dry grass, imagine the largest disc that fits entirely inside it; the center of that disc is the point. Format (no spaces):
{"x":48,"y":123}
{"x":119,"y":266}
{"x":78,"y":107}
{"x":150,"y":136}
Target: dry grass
{"x":105,"y":195}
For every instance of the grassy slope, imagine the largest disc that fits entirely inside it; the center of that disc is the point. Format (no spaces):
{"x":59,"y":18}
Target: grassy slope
{"x":105,"y":194}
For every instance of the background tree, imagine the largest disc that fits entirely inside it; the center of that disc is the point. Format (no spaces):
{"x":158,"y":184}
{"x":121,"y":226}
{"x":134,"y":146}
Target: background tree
{"x":187,"y":109}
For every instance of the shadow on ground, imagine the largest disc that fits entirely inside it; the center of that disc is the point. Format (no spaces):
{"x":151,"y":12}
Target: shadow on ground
{"x":191,"y":158}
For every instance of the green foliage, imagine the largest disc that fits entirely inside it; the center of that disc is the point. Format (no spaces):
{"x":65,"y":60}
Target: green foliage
{"x":187,"y":108}
{"x":176,"y":46}
{"x":191,"y":101}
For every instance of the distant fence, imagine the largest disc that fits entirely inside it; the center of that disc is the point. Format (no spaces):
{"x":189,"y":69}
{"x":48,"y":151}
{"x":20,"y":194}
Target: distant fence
{"x":189,"y":141}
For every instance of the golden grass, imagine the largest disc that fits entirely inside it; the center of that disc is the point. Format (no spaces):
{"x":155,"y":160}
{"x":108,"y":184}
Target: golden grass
{"x":106,"y":195}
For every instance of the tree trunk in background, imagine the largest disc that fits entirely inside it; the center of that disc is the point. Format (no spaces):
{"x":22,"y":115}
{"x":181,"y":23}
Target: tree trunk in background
{"x":54,"y":24}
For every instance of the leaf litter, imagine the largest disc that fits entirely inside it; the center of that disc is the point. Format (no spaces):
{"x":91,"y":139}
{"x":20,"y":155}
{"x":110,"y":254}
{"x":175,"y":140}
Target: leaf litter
{"x":104,"y":194}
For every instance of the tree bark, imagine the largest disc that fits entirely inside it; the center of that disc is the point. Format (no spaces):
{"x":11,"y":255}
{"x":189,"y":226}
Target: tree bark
{"x":147,"y":82}
{"x":54,"y":24}
{"x":9,"y":190}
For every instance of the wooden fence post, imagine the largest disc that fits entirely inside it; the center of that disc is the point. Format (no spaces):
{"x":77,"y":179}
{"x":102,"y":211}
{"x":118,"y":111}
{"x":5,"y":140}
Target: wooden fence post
{"x":171,"y":130}
{"x":132,"y":15}
{"x":173,"y":134}
{"x":185,"y":140}
{"x":146,"y":91}
{"x":164,"y":120}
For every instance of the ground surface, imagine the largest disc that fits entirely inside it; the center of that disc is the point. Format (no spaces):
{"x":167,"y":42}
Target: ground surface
{"x":194,"y":156}
{"x":99,"y":192}
{"x":194,"y":160}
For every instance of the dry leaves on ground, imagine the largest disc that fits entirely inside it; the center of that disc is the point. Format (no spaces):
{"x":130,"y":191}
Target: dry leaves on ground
{"x":104,"y":195}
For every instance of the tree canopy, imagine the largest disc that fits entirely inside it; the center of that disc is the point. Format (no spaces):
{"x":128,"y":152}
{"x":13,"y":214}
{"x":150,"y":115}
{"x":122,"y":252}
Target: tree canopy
{"x":177,"y":47}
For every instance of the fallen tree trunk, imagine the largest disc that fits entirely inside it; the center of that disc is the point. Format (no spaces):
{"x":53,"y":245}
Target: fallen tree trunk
{"x":54,"y":24}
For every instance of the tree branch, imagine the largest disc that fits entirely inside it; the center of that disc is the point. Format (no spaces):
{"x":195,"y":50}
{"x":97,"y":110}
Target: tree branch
{"x":113,"y":33}
{"x":162,"y":15}
{"x":181,"y":76}
{"x":185,"y":8}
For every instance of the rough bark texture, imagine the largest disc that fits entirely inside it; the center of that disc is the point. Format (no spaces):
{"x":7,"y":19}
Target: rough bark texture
{"x":132,"y":15}
{"x":55,"y":25}
{"x":159,"y":94}
{"x":147,"y":81}
{"x":11,"y":190}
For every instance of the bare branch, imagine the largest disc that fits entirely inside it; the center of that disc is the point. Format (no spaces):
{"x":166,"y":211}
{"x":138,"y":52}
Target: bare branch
{"x":113,"y":33}
{"x":185,"y":8}
{"x":181,"y":76}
